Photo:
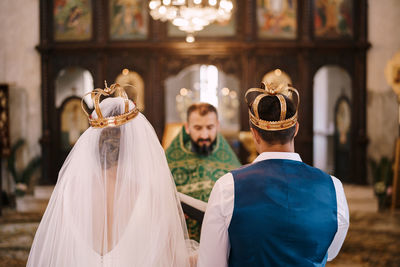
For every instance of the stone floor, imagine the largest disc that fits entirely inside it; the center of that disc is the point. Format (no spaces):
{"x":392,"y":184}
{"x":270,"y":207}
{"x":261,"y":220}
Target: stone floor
{"x":373,"y":238}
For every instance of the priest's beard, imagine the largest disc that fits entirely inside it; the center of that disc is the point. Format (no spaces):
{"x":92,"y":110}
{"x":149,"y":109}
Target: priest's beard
{"x":202,"y":150}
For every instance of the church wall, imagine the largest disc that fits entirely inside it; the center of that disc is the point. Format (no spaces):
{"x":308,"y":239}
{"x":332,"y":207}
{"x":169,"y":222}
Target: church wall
{"x":382,"y":107}
{"x":20,"y":67}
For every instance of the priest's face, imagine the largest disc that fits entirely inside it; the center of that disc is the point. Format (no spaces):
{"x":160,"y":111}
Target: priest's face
{"x":202,"y":130}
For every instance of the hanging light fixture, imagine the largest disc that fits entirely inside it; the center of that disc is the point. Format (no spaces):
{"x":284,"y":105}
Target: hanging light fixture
{"x":191,"y":16}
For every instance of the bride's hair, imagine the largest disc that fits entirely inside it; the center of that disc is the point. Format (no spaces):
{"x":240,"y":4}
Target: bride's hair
{"x":109,"y":142}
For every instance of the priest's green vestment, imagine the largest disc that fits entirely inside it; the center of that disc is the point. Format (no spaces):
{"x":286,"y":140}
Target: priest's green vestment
{"x":195,"y":174}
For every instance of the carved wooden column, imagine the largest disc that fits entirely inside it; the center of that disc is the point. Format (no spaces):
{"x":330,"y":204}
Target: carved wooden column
{"x":360,"y":140}
{"x":304,"y":21}
{"x":248,"y":65}
{"x":45,"y":141}
{"x":249,"y":16}
{"x":304,"y":139}
{"x":155,"y":95}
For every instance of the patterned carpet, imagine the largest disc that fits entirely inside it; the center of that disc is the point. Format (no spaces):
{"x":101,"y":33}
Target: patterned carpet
{"x":373,"y":239}
{"x":17,"y":231}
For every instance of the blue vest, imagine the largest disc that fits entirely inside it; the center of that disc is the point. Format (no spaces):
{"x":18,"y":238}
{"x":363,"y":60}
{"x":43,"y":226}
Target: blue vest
{"x":285,"y":214}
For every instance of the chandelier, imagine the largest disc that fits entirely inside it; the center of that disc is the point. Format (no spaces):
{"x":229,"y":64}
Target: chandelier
{"x":191,"y":16}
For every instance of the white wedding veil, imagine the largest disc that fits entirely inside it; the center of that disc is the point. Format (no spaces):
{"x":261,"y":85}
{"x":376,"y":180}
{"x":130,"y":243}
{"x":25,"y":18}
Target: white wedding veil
{"x":115,"y":202}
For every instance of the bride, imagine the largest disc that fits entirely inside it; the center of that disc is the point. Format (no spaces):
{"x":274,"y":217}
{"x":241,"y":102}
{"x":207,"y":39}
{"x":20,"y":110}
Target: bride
{"x":115,"y":203}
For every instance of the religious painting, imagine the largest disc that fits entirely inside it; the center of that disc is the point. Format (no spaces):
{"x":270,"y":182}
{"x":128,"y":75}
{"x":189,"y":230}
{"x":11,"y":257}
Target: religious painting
{"x":396,"y":80}
{"x":343,"y":119}
{"x":73,"y":123}
{"x":392,"y":74}
{"x":333,"y":18}
{"x":4,"y":121}
{"x":133,"y":85}
{"x":128,"y":19}
{"x":226,"y":28}
{"x":342,"y":137}
{"x":72,"y":20}
{"x":396,"y":72}
{"x":277,"y":19}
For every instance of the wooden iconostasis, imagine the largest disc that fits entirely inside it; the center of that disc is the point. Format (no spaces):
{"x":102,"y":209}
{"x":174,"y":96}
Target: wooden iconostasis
{"x":319,"y":46}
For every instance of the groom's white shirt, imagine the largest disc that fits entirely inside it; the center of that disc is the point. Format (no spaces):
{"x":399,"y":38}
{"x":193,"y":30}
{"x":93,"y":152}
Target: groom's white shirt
{"x":214,"y":241}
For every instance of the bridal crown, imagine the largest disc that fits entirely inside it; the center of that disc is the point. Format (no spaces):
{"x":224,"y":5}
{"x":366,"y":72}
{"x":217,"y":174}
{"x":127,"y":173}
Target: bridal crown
{"x":112,"y":121}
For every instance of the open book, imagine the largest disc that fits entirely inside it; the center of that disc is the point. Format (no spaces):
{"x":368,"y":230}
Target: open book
{"x":194,"y":208}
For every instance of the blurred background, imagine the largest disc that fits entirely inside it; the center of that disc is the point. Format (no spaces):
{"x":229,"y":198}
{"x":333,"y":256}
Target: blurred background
{"x":343,"y":56}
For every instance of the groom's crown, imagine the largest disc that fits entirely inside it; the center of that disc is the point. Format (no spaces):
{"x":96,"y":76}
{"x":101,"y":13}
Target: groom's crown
{"x":112,"y":121}
{"x":284,"y":93}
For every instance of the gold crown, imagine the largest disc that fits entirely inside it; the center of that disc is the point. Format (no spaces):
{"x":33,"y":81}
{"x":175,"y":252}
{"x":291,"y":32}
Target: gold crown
{"x":253,"y":97}
{"x":112,"y":121}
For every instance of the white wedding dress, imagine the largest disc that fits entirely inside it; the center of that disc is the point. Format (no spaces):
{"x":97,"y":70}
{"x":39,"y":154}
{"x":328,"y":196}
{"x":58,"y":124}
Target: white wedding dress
{"x":115,"y":202}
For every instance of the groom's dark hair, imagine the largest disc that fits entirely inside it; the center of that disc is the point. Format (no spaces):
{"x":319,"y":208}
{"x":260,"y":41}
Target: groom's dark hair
{"x":269,"y":109}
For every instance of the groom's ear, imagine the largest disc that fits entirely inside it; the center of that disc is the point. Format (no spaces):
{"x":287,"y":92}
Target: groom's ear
{"x":297,"y":129}
{"x":256,"y":135}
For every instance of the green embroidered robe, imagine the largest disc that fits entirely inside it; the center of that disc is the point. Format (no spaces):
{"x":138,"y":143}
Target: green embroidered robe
{"x":195,"y":175}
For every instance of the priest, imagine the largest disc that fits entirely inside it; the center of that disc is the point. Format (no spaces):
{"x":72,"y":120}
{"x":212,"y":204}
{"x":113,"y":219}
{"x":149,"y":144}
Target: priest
{"x":198,"y":156}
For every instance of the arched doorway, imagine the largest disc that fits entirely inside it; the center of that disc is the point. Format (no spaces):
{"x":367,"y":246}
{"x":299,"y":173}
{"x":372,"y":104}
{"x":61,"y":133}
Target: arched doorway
{"x":203,"y":83}
{"x":72,"y":83}
{"x":332,"y":98}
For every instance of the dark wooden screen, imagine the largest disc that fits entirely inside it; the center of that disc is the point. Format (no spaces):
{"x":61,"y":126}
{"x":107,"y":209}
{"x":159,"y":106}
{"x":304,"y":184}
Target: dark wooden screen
{"x":244,"y":55}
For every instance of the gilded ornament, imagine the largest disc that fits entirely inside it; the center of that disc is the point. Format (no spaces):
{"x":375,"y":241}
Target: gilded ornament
{"x":113,"y":121}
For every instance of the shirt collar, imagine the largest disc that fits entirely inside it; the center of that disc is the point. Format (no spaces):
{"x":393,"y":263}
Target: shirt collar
{"x":278,"y":155}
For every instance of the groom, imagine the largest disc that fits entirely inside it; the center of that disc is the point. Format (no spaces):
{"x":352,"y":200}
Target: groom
{"x":277,"y":211}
